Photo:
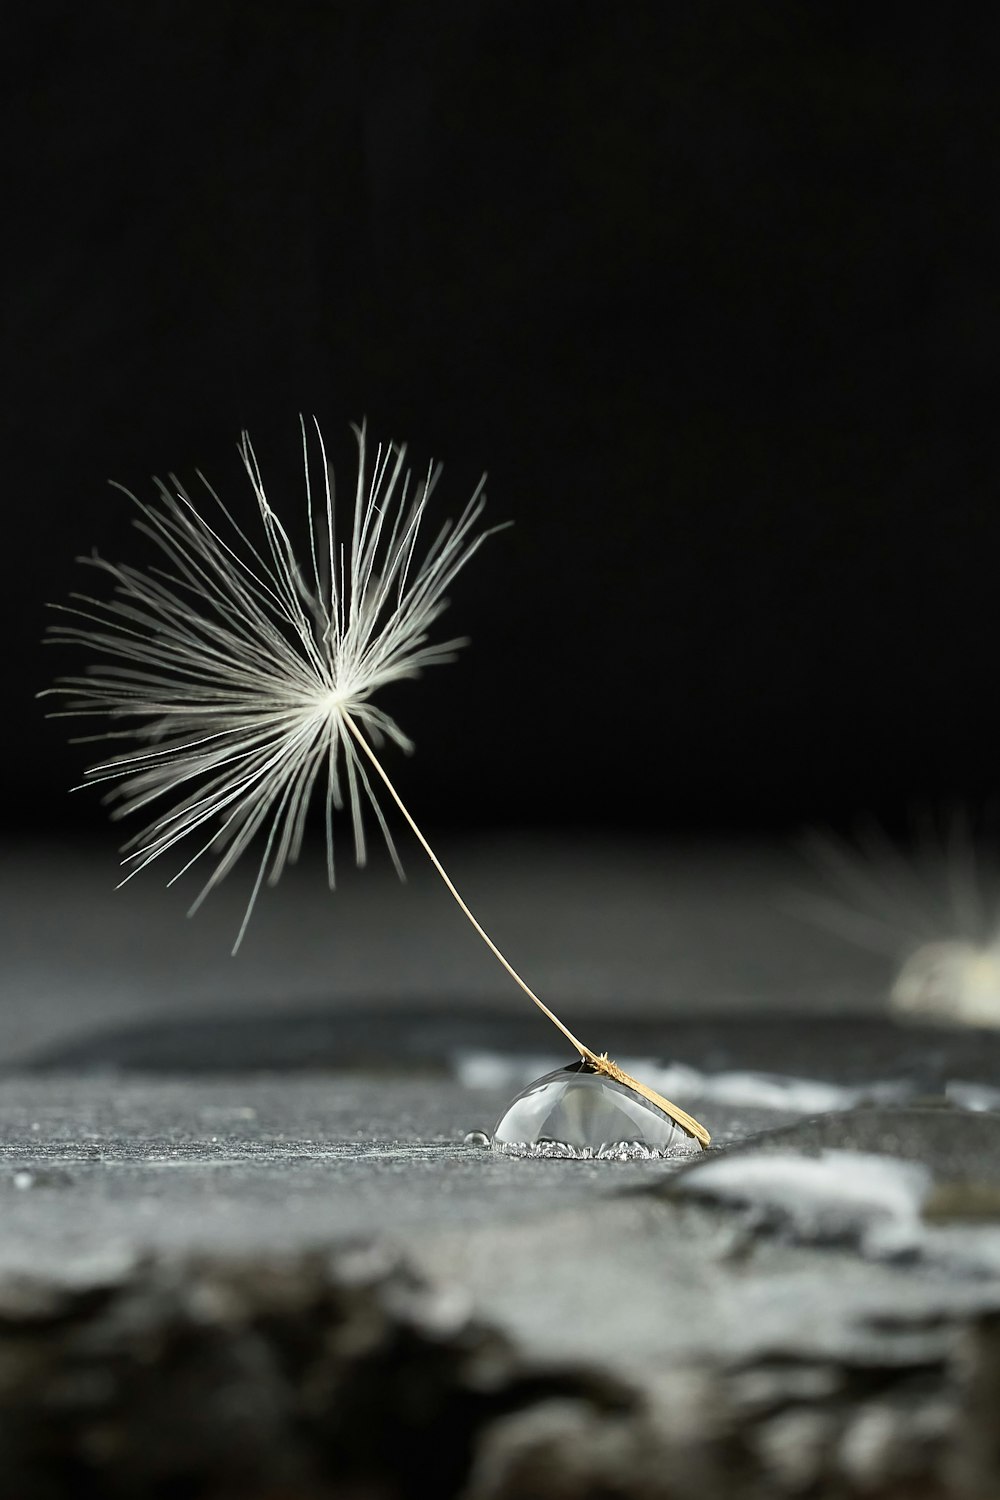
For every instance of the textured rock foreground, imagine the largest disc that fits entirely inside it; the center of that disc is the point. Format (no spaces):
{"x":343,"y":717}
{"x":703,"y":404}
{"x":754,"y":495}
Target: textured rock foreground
{"x":222,"y":1288}
{"x":245,"y":1256}
{"x":348,"y":1374}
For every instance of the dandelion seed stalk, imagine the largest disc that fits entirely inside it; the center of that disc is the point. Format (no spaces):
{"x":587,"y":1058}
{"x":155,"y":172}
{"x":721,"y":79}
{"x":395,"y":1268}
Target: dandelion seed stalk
{"x":600,"y":1062}
{"x":584,"y":1052}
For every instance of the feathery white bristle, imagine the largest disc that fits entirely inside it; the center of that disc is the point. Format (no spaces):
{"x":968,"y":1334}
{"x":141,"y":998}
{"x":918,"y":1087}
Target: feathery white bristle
{"x":236,"y":669}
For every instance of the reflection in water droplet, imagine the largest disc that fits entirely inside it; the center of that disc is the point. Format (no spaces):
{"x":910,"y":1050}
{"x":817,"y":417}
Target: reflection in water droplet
{"x":477,"y":1138}
{"x":575,"y":1112}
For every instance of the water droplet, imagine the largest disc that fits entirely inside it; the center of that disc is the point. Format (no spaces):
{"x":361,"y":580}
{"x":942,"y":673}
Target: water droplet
{"x":477,"y":1138}
{"x":575,"y":1112}
{"x":24,"y":1179}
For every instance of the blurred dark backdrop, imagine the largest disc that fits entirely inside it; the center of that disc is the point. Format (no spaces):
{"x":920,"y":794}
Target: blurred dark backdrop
{"x":711,"y":290}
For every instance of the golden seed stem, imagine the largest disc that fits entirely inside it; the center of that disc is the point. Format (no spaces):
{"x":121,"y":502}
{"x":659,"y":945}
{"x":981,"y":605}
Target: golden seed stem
{"x":600,"y":1062}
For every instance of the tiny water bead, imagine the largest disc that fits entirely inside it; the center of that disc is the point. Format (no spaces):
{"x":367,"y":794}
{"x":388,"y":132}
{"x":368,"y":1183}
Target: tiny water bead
{"x":578,"y":1113}
{"x":477,"y":1138}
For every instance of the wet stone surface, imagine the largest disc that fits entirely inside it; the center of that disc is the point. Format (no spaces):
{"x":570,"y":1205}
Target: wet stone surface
{"x":254,"y":1244}
{"x":230,"y":1277}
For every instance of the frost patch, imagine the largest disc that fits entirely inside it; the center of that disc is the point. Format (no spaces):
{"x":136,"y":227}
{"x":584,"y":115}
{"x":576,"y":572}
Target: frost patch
{"x":834,"y":1196}
{"x":743,"y":1089}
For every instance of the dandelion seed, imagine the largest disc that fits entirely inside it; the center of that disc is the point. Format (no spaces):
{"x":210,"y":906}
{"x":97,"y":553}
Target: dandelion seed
{"x":934,"y":912}
{"x":245,"y":681}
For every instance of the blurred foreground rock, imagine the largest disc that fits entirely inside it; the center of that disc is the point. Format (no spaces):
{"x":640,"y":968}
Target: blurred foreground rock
{"x":218,"y":1288}
{"x":349,"y":1375}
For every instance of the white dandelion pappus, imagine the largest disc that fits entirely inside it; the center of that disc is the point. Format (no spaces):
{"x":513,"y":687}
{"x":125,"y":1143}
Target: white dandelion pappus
{"x":247,"y":680}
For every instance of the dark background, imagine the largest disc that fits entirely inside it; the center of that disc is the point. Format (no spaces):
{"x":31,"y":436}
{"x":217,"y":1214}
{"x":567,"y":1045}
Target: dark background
{"x":710,"y":290}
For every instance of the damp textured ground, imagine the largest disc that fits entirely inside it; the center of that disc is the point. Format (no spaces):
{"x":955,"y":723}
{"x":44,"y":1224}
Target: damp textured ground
{"x":246,"y":1250}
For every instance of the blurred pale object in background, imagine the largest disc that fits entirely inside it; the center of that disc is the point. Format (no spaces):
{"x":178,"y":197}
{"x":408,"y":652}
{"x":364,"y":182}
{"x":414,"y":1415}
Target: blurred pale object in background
{"x":934,"y":911}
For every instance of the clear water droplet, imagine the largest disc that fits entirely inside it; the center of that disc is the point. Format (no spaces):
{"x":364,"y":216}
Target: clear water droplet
{"x":575,"y":1112}
{"x":477,"y":1138}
